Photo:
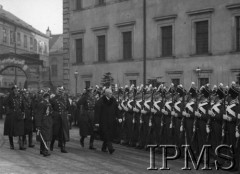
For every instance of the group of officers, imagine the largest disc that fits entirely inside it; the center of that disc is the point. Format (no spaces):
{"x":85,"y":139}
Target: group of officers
{"x":132,"y":116}
{"x":46,"y":114}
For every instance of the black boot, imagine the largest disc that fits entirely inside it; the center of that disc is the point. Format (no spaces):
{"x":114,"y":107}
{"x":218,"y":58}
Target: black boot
{"x":11,"y":142}
{"x":51,"y":145}
{"x":91,"y":143}
{"x":21,"y":143}
{"x":82,"y":141}
{"x":30,"y":144}
{"x":63,"y":150}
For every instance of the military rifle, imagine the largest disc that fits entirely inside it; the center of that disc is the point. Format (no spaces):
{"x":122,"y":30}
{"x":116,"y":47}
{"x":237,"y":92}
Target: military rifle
{"x":141,"y":115}
{"x":163,"y":94}
{"x":151,"y":114}
{"x":209,"y":119}
{"x":238,"y":123}
{"x":134,"y":114}
{"x":182,"y":128}
{"x":224,"y":121}
{"x":171,"y":126}
{"x":195,"y":121}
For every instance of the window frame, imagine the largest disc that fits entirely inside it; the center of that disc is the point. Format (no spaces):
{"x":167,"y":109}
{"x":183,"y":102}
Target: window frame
{"x":78,"y":4}
{"x":195,"y":37}
{"x":161,"y":41}
{"x":76,"y":58}
{"x":5,"y":35}
{"x":25,"y":41}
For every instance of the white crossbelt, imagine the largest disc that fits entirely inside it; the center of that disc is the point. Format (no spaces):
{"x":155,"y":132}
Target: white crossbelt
{"x":230,"y":111}
{"x":200,"y":107}
{"x":189,"y":106}
{"x":176,"y":106}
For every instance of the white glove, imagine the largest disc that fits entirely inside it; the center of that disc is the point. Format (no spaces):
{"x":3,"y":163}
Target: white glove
{"x":173,"y":113}
{"x":184,"y":113}
{"x":133,"y":121}
{"x":225,"y":117}
{"x":181,"y":128}
{"x":207,"y":129}
{"x":141,"y":121}
{"x":120,"y":108}
{"x":238,"y":116}
{"x":120,"y":120}
{"x":210,"y":112}
{"x":170,"y":126}
{"x":197,"y":114}
{"x":237,"y":134}
{"x":150,"y":124}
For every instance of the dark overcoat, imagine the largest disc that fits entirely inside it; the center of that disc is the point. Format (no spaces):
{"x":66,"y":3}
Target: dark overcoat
{"x":107,"y":114}
{"x":60,"y":118}
{"x":28,"y":121}
{"x":43,"y":120}
{"x":14,"y":122}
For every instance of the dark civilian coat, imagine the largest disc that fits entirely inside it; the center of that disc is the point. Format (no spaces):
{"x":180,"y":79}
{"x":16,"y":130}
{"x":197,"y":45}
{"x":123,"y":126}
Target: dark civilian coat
{"x":43,"y":120}
{"x":14,"y":122}
{"x":107,"y":114}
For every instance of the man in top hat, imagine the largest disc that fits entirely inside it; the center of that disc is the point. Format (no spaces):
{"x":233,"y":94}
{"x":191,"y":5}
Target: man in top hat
{"x":14,"y":122}
{"x":60,"y":119}
{"x":43,"y":122}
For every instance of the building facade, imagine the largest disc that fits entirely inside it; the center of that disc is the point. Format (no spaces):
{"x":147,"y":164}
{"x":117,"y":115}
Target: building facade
{"x":185,"y":41}
{"x":21,"y":43}
{"x":56,"y":59}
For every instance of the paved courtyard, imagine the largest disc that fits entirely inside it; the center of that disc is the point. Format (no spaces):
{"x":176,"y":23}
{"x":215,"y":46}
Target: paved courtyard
{"x":125,"y":160}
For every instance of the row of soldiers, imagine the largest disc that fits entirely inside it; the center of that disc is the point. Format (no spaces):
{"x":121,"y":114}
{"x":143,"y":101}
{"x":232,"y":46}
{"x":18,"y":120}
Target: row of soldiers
{"x":46,"y":114}
{"x":175,"y":116}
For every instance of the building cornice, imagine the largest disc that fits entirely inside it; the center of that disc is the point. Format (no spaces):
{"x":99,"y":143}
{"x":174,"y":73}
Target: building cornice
{"x":168,"y":17}
{"x":233,"y":6}
{"x":202,"y":11}
{"x":132,"y":74}
{"x":85,"y":76}
{"x":123,"y":24}
{"x":78,"y":32}
{"x":174,"y":72}
{"x":100,"y":28}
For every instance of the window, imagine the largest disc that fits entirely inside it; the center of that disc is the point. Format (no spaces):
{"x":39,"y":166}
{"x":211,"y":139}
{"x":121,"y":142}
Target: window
{"x":54,"y":70}
{"x":176,"y":81}
{"x":101,"y":48}
{"x":127,"y":45}
{"x":19,"y":39}
{"x":25,"y":41}
{"x":201,"y":37}
{"x":31,"y":43}
{"x":45,"y":48}
{"x":79,"y":51}
{"x":166,"y":41}
{"x":40,"y":49}
{"x":203,"y":81}
{"x":35,"y":45}
{"x":78,"y":4}
{"x":238,"y":33}
{"x":12,"y":37}
{"x":4,"y":35}
{"x":133,"y":82}
{"x":87,"y":84}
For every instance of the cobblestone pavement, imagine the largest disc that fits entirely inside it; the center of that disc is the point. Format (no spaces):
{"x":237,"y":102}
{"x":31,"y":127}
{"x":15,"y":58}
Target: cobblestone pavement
{"x":79,"y":160}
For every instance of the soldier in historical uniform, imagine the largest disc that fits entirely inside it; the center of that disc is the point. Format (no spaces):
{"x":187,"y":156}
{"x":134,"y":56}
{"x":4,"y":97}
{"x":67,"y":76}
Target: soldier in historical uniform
{"x":60,"y":119}
{"x":86,"y":106}
{"x":28,"y":121}
{"x":231,"y":121}
{"x":14,"y":122}
{"x":43,"y":122}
